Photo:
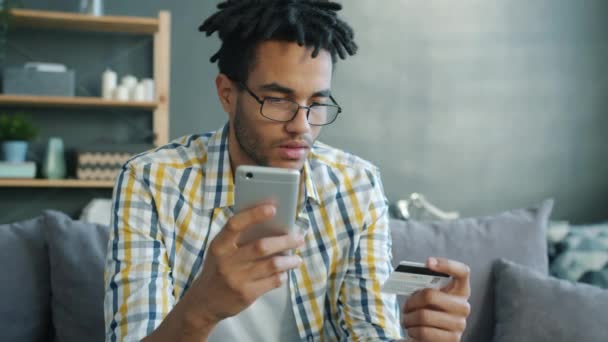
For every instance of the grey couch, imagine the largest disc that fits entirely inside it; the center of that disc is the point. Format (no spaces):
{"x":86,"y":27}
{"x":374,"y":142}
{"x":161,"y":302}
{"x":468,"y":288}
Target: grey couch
{"x":53,"y":274}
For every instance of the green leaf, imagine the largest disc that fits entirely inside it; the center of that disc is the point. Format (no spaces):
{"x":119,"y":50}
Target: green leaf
{"x":16,"y":127}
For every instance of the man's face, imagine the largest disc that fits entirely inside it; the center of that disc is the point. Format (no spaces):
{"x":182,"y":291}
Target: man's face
{"x":286,"y":71}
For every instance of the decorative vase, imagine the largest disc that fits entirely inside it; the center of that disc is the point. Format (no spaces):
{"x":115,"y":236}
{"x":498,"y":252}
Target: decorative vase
{"x":14,"y":151}
{"x":92,"y":7}
{"x":54,"y":161}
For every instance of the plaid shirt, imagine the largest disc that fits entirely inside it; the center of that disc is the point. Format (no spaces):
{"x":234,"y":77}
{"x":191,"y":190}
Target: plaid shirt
{"x":170,"y":203}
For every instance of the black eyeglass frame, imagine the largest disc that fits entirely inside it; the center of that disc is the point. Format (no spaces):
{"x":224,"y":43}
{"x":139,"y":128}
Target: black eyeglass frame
{"x":308,"y":108}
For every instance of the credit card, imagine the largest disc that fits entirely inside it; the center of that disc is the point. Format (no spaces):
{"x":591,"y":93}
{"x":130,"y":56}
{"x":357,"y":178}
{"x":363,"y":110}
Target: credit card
{"x":409,"y":277}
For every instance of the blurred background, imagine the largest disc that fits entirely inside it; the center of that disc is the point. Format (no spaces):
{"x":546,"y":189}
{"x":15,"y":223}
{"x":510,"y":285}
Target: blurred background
{"x":481,"y":106}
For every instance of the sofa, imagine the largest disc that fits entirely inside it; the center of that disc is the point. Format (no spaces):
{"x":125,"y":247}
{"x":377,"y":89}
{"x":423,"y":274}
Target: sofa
{"x":53,"y":288}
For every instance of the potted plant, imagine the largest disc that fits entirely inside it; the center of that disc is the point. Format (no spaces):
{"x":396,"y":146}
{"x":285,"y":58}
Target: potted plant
{"x":15,"y":133}
{"x":5,"y":24}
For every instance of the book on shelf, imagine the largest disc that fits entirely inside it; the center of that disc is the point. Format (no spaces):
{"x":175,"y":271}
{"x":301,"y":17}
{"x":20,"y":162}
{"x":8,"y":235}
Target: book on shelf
{"x":17,"y":170}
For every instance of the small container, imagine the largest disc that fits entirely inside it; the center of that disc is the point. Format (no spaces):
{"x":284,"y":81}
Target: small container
{"x":14,"y":151}
{"x":54,"y":161}
{"x":108,"y":84}
{"x":91,"y":7}
{"x":129,"y":81}
{"x":138,"y":93}
{"x":149,"y":89}
{"x":121,"y":93}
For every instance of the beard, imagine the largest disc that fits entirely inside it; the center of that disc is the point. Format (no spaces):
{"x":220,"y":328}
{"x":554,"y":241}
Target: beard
{"x":248,"y":139}
{"x":252,"y":142}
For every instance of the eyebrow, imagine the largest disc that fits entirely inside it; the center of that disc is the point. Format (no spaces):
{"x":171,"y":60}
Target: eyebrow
{"x":288,"y":91}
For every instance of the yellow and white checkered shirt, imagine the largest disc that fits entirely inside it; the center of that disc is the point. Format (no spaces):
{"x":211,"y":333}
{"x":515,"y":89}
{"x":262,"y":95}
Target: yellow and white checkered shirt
{"x":171,"y":202}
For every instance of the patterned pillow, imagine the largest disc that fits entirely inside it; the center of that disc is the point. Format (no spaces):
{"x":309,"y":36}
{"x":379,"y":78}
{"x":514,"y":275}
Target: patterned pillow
{"x":579,"y":252}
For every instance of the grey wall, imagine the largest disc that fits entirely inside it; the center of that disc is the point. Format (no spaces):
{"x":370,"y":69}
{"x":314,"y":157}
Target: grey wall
{"x":480,"y":105}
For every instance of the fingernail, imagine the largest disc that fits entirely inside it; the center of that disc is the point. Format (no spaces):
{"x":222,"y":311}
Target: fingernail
{"x":283,"y":277}
{"x":269,"y":210}
{"x":432,"y":262}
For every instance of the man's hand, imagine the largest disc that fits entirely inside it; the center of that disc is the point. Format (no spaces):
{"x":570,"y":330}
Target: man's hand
{"x":433,"y":315}
{"x":233,"y":276}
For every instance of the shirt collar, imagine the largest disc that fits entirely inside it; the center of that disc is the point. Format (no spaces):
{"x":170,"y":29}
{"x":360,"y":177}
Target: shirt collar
{"x":310,"y":188}
{"x":218,"y":184}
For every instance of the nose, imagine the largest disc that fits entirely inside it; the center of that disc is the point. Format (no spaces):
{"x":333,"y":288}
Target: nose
{"x":299,"y":124}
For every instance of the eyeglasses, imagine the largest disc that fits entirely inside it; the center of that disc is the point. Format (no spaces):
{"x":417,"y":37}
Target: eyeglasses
{"x":284,"y":110}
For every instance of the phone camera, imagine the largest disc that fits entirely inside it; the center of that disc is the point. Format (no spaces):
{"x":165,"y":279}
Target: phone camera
{"x":249,"y":175}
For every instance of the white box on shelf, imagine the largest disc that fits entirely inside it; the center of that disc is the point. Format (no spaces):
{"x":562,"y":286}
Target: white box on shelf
{"x":17,"y":170}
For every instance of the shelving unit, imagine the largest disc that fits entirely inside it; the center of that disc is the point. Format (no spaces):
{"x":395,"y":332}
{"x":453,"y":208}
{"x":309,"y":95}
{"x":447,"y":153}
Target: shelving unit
{"x":81,"y":22}
{"x":62,"y":183}
{"x":159,"y":27}
{"x":71,"y":102}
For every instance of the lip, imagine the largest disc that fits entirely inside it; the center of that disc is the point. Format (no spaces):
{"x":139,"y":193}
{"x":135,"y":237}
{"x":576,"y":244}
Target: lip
{"x":293,"y":151}
{"x":295,"y":145}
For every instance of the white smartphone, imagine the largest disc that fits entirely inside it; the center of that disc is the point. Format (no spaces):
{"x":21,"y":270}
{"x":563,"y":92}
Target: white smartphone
{"x":409,"y":277}
{"x":255,"y":185}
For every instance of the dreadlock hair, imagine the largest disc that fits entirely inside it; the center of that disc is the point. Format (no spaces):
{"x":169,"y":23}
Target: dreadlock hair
{"x":243,"y":24}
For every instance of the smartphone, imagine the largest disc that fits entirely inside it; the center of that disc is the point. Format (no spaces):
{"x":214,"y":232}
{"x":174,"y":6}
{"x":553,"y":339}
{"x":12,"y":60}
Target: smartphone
{"x":255,"y":185}
{"x":409,"y":277}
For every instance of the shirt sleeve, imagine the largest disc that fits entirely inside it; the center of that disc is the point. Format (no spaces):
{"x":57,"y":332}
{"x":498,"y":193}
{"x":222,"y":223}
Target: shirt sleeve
{"x":368,"y":314}
{"x":138,"y":283}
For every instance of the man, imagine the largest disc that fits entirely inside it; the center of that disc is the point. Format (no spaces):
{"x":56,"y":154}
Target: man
{"x":174,"y":270}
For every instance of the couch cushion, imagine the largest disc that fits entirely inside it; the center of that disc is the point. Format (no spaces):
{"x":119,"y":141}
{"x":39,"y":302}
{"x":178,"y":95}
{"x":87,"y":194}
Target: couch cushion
{"x":77,"y":255}
{"x":25,"y":285}
{"x":518,"y":235}
{"x":531,"y":306}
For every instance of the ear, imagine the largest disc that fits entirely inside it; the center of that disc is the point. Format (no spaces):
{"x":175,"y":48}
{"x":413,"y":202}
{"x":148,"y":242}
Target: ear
{"x":227,"y":92}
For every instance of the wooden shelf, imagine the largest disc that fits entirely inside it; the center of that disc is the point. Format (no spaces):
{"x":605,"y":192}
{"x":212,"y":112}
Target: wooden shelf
{"x":83,"y":22}
{"x":159,"y":28}
{"x":46,"y":183}
{"x":71,"y":102}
